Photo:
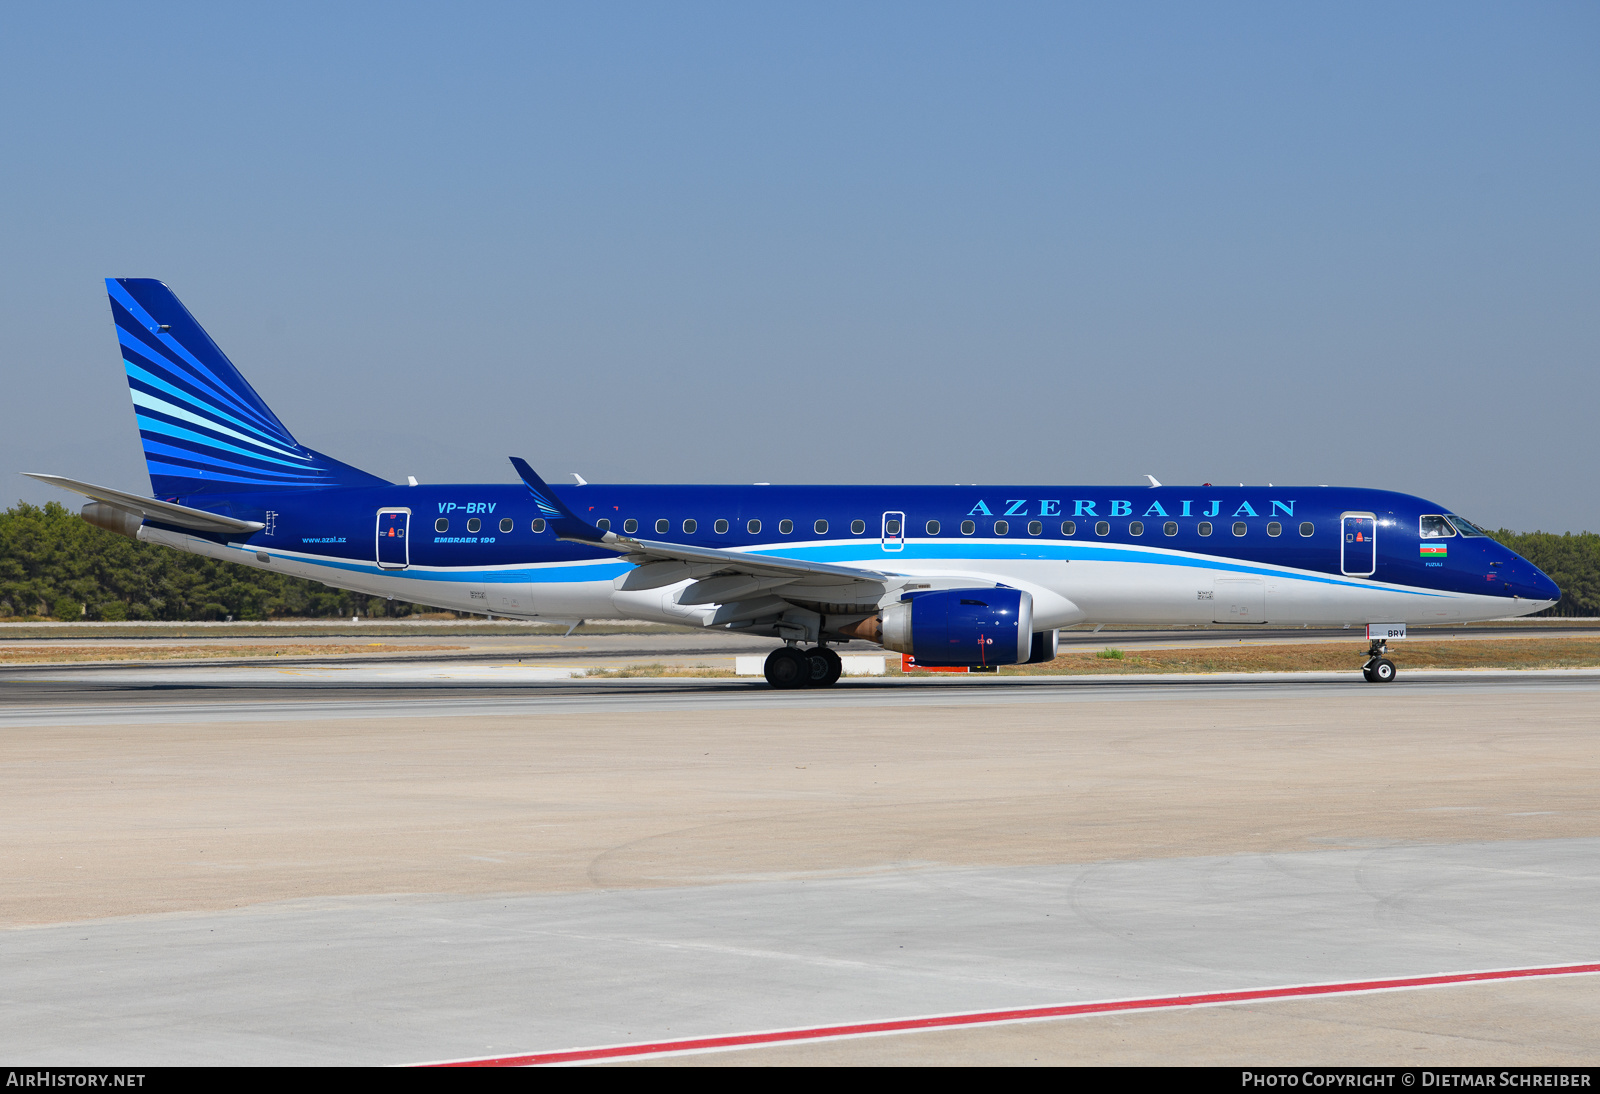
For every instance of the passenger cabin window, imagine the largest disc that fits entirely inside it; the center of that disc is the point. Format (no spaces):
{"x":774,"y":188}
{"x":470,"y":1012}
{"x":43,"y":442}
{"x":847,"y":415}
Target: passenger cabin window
{"x":753,"y":527}
{"x":1069,"y":527}
{"x":967,"y":527}
{"x":505,"y":524}
{"x":1274,"y":529}
{"x":785,"y":527}
{"x":630,"y":526}
{"x":932,"y":527}
{"x":1170,"y":528}
{"x":1002,"y":527}
{"x":1136,"y":528}
{"x":473,"y":524}
{"x":857,"y":527}
{"x":689,"y":526}
{"x":1204,"y":528}
{"x":1035,"y":528}
{"x":443,"y":525}
{"x":1102,"y":528}
{"x":1434,"y":526}
{"x":821,"y":527}
{"x":538,"y":524}
{"x":1305,"y":528}
{"x":1238,"y":528}
{"x":721,"y":527}
{"x":662,"y":525}
{"x":891,"y":528}
{"x":603,"y":524}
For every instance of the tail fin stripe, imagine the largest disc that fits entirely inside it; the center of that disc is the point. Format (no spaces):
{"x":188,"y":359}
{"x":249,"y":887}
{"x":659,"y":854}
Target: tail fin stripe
{"x":176,"y":355}
{"x":141,"y":380}
{"x":189,"y":458}
{"x":186,"y":370}
{"x":203,"y":427}
{"x":161,"y":406}
{"x":209,"y":455}
{"x":149,"y":425}
{"x":168,"y":355}
{"x":215,"y":478}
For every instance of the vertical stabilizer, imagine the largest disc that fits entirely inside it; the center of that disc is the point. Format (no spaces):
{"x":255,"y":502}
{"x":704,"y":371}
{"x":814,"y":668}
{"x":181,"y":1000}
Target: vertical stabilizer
{"x":204,"y":429}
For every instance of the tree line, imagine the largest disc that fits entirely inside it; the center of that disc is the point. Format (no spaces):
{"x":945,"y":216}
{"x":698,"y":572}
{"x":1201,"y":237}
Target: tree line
{"x":55,"y":565}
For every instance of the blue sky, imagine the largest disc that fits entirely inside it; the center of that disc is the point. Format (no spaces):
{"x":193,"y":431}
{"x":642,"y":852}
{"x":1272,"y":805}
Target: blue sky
{"x":1349,"y":243}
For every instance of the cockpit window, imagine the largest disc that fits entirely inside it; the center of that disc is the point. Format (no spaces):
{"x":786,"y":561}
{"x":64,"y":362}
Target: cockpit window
{"x":1466,"y":527}
{"x":1433,"y":526}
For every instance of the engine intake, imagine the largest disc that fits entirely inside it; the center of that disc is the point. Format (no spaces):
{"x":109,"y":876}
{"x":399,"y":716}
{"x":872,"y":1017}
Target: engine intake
{"x":961,"y":627}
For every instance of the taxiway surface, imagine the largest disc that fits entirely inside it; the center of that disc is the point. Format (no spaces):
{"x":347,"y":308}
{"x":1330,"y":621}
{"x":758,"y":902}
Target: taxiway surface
{"x":215,"y":868}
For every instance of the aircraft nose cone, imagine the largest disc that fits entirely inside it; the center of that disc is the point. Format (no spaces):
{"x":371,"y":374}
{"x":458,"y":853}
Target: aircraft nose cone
{"x":1544,"y":588}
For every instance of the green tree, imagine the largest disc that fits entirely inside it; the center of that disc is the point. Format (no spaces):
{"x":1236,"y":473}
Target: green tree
{"x":1571,"y":559}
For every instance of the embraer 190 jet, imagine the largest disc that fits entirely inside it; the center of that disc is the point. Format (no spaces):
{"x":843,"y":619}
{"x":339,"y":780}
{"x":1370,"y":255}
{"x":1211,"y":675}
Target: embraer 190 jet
{"x":974,"y":576}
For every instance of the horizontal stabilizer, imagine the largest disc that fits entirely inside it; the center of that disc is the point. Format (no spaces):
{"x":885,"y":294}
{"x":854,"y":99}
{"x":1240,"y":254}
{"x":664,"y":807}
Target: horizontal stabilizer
{"x":162,"y":512}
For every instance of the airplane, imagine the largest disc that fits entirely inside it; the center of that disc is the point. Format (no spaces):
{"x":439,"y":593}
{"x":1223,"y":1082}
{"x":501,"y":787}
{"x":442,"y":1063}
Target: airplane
{"x":955,"y":576}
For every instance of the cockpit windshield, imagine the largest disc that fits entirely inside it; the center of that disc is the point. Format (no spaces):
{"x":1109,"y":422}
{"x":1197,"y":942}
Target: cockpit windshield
{"x":1434,"y":526}
{"x":1466,"y":527}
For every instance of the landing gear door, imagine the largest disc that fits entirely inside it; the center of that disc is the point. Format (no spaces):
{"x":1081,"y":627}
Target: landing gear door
{"x":894,"y":531}
{"x":394,"y":541}
{"x":1358,"y":544}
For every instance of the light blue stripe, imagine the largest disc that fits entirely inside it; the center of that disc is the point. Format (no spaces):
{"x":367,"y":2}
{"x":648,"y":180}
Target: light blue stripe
{"x":547,"y":575}
{"x":202,"y":373}
{"x":185,"y":357}
{"x":153,"y":402}
{"x":846,"y":554}
{"x":178,"y":433}
{"x":145,"y":376}
{"x":180,"y":471}
{"x":157,"y":449}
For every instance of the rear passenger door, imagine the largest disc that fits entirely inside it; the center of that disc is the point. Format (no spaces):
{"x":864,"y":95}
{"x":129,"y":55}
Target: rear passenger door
{"x":393,"y":550}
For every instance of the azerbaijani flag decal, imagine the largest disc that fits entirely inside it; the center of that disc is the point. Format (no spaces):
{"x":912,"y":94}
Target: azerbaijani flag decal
{"x":1435,"y":550}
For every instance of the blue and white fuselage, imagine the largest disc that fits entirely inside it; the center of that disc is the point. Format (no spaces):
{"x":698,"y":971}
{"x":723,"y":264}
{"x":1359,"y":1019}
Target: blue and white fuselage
{"x":809,"y":564}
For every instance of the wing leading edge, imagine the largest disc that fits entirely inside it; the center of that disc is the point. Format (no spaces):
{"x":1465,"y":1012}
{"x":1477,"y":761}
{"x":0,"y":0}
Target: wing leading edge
{"x":744,"y":587}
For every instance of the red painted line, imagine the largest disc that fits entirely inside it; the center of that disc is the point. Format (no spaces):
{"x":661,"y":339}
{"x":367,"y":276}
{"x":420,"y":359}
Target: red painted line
{"x":1019,"y":1014}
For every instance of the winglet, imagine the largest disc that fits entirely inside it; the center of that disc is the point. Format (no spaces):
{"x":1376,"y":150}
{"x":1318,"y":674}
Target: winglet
{"x":566,"y":523}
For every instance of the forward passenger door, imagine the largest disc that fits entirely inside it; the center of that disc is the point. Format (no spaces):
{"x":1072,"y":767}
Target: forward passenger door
{"x":1358,"y":544}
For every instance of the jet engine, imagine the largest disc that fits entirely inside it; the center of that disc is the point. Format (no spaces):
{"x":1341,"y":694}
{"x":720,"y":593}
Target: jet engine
{"x":960,"y":626}
{"x":113,"y":519}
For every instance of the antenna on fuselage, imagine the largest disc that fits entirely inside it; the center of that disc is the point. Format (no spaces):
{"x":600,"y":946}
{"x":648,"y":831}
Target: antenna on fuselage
{"x":1153,"y":481}
{"x":581,"y":480}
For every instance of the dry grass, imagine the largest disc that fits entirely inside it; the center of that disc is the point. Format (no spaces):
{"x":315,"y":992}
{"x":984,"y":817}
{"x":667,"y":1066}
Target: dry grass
{"x":657,"y":669}
{"x":58,"y":654}
{"x":1516,"y":653}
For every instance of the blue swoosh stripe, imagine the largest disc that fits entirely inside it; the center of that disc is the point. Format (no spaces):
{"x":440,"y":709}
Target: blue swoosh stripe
{"x":178,"y":432}
{"x":187,"y":361}
{"x":208,"y":461}
{"x":850,"y":553}
{"x":172,"y":355}
{"x":135,"y":372}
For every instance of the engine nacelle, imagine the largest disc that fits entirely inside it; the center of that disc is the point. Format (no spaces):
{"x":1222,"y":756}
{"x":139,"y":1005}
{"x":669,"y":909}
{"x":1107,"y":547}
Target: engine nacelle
{"x":961,"y":627}
{"x":1046,"y":645}
{"x":113,"y":519}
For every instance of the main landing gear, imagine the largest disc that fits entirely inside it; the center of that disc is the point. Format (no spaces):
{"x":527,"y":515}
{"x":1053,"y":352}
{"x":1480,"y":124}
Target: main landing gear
{"x":1378,"y":669}
{"x":792,"y":667}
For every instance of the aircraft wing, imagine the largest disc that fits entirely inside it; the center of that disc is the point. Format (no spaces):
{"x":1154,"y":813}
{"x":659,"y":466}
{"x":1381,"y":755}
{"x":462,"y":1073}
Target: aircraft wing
{"x":725,"y":576}
{"x":163,"y":512}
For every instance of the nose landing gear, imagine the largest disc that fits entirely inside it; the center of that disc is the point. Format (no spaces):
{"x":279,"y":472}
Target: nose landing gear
{"x":790,"y":667}
{"x":1378,"y":669}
